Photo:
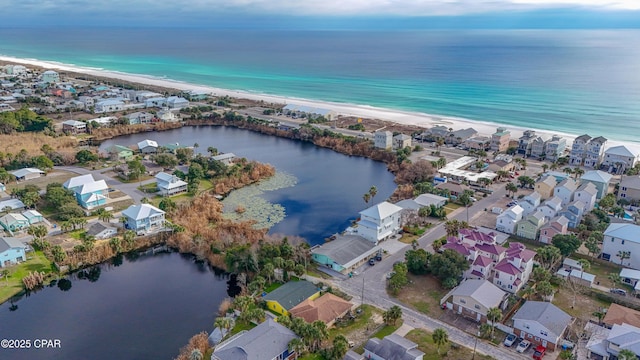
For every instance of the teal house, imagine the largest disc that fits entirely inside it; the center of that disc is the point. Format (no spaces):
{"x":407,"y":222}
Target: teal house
{"x":88,"y":192}
{"x":14,"y":222}
{"x":12,"y":251}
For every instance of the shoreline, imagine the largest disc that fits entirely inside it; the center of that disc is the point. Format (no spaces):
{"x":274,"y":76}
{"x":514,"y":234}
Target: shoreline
{"x":424,"y":120}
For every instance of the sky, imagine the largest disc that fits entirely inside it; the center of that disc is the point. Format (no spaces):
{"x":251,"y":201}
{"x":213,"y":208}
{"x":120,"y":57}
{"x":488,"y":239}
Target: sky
{"x":331,"y":13}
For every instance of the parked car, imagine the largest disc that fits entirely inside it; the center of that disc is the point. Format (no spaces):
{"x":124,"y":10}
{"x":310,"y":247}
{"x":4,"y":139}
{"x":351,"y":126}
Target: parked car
{"x":523,"y":346}
{"x":618,"y":292}
{"x":378,"y":257}
{"x":510,"y":340}
{"x":372,"y":261}
{"x":539,"y":352}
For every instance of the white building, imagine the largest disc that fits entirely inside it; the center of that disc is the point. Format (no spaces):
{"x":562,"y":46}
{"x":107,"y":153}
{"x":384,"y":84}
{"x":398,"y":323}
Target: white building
{"x":530,"y":202}
{"x":176,"y":102}
{"x":379,"y":221}
{"x":383,"y":139}
{"x":506,"y":222}
{"x":50,"y":76}
{"x":587,"y":194}
{"x":148,"y":146}
{"x":565,"y":189}
{"x":108,"y":105}
{"x":551,"y":207}
{"x":170,"y":184}
{"x":622,"y":240}
{"x":619,"y":158}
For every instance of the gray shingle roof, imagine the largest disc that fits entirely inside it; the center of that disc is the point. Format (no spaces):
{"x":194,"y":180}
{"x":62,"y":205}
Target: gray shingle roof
{"x":394,"y":347}
{"x":344,"y":249}
{"x":292,"y":293}
{"x":7,"y":243}
{"x":265,"y":341}
{"x":546,"y":314}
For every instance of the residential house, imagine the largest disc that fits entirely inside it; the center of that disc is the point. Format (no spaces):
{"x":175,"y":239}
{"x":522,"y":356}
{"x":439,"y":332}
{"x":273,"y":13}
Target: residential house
{"x":177,"y":102}
{"x":269,"y":341}
{"x":477,"y":143}
{"x":579,"y":150}
{"x":502,"y":165}
{"x":631,"y":277}
{"x":88,"y":192}
{"x":120,"y":153}
{"x":50,"y":77}
{"x":529,"y":226}
{"x":538,"y":148}
{"x":524,"y":143}
{"x":622,"y":239}
{"x":500,"y":139}
{"x":289,"y":295}
{"x":148,"y":146}
{"x":598,"y":178}
{"x":27,"y":174}
{"x":573,"y":212}
{"x":565,"y":189}
{"x":587,"y":194}
{"x":606,"y":344}
{"x":383,"y":139}
{"x":33,"y":217}
{"x":309,"y":112}
{"x":143,"y":95}
{"x":401,"y":141}
{"x":391,"y":347}
{"x":226,"y":158}
{"x":629,"y":188}
{"x":327,"y":308}
{"x":143,"y":218}
{"x":169,"y":185}
{"x":618,"y":314}
{"x":506,"y":222}
{"x":530,"y":202}
{"x":108,"y":105}
{"x":11,"y":204}
{"x":88,"y":102}
{"x":545,"y":186}
{"x":473,"y":298}
{"x":431,"y":199}
{"x":542,"y":323}
{"x":12,"y":251}
{"x":458,"y":137}
{"x":379,"y":222}
{"x":617,"y":159}
{"x":551,"y":207}
{"x":14,"y":222}
{"x":595,"y":151}
{"x":453,"y":189}
{"x":100,"y":231}
{"x":557,"y":226}
{"x":345,"y":253}
{"x":167,"y":115}
{"x":158,"y":102}
{"x":140,"y":117}
{"x":74,"y":127}
{"x":554,"y":148}
{"x":514,"y":270}
{"x":6,"y":108}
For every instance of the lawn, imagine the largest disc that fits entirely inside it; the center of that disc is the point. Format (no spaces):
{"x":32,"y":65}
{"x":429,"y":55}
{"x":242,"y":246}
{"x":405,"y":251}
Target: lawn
{"x":447,"y":352}
{"x":451,"y":207}
{"x":600,"y":269}
{"x":241,"y":325}
{"x":584,"y":305}
{"x":36,"y":261}
{"x":387,"y":330}
{"x":422,"y":294}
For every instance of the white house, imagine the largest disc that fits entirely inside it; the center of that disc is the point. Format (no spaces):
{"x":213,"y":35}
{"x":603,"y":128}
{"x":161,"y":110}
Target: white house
{"x":473,"y":298}
{"x":514,"y":270}
{"x":226,"y":158}
{"x":167,"y":115}
{"x":565,"y":189}
{"x":587,"y":194}
{"x":621,"y":245}
{"x":176,"y":102}
{"x":143,"y":218}
{"x":379,"y":221}
{"x":529,"y":203}
{"x":506,"y":222}
{"x":383,"y":139}
{"x":101,"y":231}
{"x":542,"y":323}
{"x":401,"y":141}
{"x":606,"y":343}
{"x":159,"y":102}
{"x":27,"y":174}
{"x":619,"y":158}
{"x":140,"y":117}
{"x":551,"y":207}
{"x":50,"y":76}
{"x":170,"y":184}
{"x":108,"y":105}
{"x":74,"y":126}
{"x":148,"y":146}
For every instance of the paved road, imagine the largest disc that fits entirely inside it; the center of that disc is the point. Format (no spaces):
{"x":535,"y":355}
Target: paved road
{"x":130,"y":189}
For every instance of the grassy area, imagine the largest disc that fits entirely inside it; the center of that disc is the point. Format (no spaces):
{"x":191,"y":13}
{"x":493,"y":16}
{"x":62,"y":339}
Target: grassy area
{"x":360,"y":322}
{"x":149,"y":188}
{"x":130,"y":181}
{"x":319,"y":274}
{"x":601,"y":269}
{"x":584,"y":306}
{"x":36,"y":261}
{"x":387,"y":330}
{"x":272,"y":287}
{"x":56,"y":176}
{"x":423,"y":294}
{"x":451,"y":207}
{"x":205,"y":185}
{"x":311,"y":357}
{"x":447,"y":352}
{"x":241,"y":325}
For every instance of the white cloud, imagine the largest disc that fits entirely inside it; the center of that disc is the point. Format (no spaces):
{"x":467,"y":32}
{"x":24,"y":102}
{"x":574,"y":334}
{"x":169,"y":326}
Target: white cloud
{"x":310,"y":7}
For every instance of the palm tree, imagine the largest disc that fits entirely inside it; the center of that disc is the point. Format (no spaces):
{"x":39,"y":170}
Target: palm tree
{"x":440,"y":337}
{"x":494,"y":315}
{"x":599,"y":315}
{"x":615,"y":279}
{"x":242,"y":303}
{"x":452,"y":227}
{"x":319,"y":332}
{"x":626,"y":354}
{"x":213,"y":151}
{"x":392,"y":315}
{"x":545,"y":167}
{"x":196,"y":355}
{"x":511,"y":188}
{"x":37,"y":231}
{"x":340,"y":346}
{"x":623,"y":255}
{"x":544,"y":289}
{"x":577,"y":172}
{"x":267,"y":270}
{"x":297,"y":345}
{"x":568,"y":170}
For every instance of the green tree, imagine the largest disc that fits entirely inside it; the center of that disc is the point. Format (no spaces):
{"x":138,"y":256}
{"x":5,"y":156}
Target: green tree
{"x":549,"y":257}
{"x":494,"y":315}
{"x":5,"y":274}
{"x":37,"y":231}
{"x":511,"y":188}
{"x":86,"y":156}
{"x":448,"y":265}
{"x":58,"y":253}
{"x":544,"y":289}
{"x":399,"y":278}
{"x":42,"y":162}
{"x":136,"y":169}
{"x":167,"y":161}
{"x":607,"y":202}
{"x":626,"y":354}
{"x":116,"y":244}
{"x":392,"y":315}
{"x":340,"y":347}
{"x":566,"y":243}
{"x":623,"y":255}
{"x":167,"y":205}
{"x":615,"y":279}
{"x":417,"y":261}
{"x":440,"y":337}
{"x":297,"y":345}
{"x":592,"y":245}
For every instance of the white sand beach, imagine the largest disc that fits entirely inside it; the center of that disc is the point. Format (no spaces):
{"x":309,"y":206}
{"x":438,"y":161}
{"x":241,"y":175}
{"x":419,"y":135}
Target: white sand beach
{"x":364,"y":111}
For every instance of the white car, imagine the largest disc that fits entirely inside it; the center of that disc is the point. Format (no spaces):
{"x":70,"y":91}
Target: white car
{"x":523,"y":346}
{"x":510,"y":340}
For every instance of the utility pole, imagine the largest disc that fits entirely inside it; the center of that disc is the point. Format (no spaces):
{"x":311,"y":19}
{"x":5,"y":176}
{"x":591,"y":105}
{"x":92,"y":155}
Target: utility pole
{"x":362,"y":296}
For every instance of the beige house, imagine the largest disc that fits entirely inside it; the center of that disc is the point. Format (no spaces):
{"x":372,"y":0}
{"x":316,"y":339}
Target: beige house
{"x":629,"y":188}
{"x":500,"y":139}
{"x":545,"y":187}
{"x":473,"y":298}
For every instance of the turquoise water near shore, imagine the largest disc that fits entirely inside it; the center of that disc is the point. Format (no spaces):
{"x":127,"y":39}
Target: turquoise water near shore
{"x":572,"y":81}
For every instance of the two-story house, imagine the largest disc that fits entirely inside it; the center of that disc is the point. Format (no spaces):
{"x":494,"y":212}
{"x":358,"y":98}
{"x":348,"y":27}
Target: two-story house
{"x":579,"y":150}
{"x":74,"y":126}
{"x":542,"y":323}
{"x":598,"y":178}
{"x":556,"y":226}
{"x":621,"y":245}
{"x":169,"y":185}
{"x":401,"y":141}
{"x":545,"y":186}
{"x":506,"y":222}
{"x":88,"y":192}
{"x":12,"y":251}
{"x":530,"y":202}
{"x":573,"y":212}
{"x":617,"y":159}
{"x":473,"y":298}
{"x":587,"y":193}
{"x":391,"y":347}
{"x":379,"y":221}
{"x":14,"y":222}
{"x":143,"y":218}
{"x":629,"y":188}
{"x":606,"y":344}
{"x":529,"y":226}
{"x":514,"y":270}
{"x":148,"y":146}
{"x":595,"y":150}
{"x":565,"y":189}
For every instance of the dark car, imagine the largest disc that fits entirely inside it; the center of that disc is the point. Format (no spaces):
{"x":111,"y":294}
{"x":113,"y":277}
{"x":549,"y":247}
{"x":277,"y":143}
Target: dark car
{"x":372,"y":261}
{"x":378,"y":257}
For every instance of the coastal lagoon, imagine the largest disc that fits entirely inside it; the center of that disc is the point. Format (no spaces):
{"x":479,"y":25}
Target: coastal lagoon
{"x":326,"y":193}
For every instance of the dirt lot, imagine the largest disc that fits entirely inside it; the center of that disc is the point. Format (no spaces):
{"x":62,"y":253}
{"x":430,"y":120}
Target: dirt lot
{"x":584,"y":306}
{"x":423,"y":294}
{"x":55,"y":176}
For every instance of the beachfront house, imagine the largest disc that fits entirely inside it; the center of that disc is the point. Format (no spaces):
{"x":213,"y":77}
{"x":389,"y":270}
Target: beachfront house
{"x":14,"y":222}
{"x":473,"y":298}
{"x":379,"y":222}
{"x":12,"y":251}
{"x":177,"y":102}
{"x":401,"y":141}
{"x":579,"y":150}
{"x":621,"y":245}
{"x":556,"y":226}
{"x":554,"y":148}
{"x":542,"y":323}
{"x":169,"y":185}
{"x":587,"y":193}
{"x":143,"y":218}
{"x":345,"y":253}
{"x":148,"y":146}
{"x":383,"y":139}
{"x":302,"y":111}
{"x":598,"y":178}
{"x":269,"y":340}
{"x":545,"y":186}
{"x":629,"y":188}
{"x":500,"y":139}
{"x":538,"y":147}
{"x":477,"y":143}
{"x":74,"y":127}
{"x":617,"y":159}
{"x":289,"y":295}
{"x":565,"y":189}
{"x":529,"y":226}
{"x":506,"y":222}
{"x":458,"y":137}
{"x":525,"y":141}
{"x":27,"y":174}
{"x":595,"y":151}
{"x":573,"y":212}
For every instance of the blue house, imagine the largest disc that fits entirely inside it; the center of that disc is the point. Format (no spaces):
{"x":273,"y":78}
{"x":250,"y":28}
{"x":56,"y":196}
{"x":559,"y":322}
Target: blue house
{"x":143,"y":218}
{"x":89,"y":193}
{"x":12,"y":251}
{"x":573,"y":212}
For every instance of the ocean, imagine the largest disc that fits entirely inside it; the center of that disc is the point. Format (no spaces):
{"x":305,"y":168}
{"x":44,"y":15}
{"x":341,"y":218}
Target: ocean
{"x":572,"y":81}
